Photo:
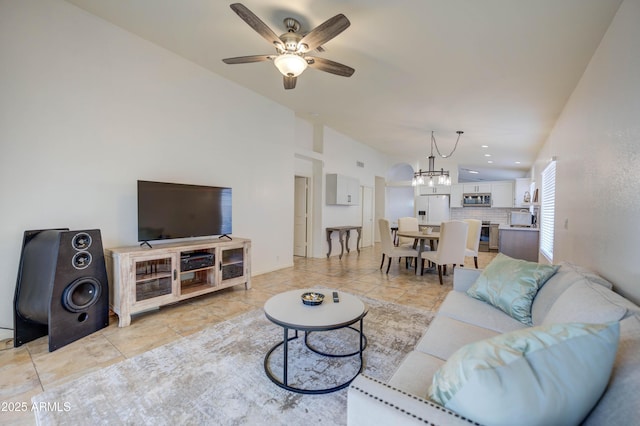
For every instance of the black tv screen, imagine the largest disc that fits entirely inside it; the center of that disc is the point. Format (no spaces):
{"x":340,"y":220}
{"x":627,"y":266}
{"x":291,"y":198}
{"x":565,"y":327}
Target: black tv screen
{"x":171,"y":210}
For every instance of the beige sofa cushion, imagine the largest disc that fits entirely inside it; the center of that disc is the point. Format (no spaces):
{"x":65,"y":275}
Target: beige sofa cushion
{"x":459,"y":306}
{"x":588,"y":275}
{"x":446,"y":335}
{"x":415,"y":373}
{"x":567,"y":275}
{"x":620,"y":403}
{"x":588,"y":302}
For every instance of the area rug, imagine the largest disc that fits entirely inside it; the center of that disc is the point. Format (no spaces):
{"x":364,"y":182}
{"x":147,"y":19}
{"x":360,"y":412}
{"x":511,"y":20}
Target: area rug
{"x":217,"y":376}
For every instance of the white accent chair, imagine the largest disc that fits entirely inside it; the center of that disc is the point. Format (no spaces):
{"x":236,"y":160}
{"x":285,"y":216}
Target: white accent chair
{"x":473,"y":239}
{"x":451,"y":246}
{"x":407,"y":224}
{"x":389,"y":250}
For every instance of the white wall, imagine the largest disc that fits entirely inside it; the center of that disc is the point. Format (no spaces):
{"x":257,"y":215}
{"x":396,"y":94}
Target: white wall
{"x":340,"y":155}
{"x":86,"y":109}
{"x":597,"y":145}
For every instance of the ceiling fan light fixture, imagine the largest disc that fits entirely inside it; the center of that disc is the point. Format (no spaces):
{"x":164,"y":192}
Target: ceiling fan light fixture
{"x":290,"y":65}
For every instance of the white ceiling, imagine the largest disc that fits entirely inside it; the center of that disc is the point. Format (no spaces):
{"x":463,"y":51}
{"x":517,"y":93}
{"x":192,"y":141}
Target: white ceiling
{"x":500,"y":70}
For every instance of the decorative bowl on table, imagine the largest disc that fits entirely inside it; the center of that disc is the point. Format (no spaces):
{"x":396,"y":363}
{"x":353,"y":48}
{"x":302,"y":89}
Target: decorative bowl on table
{"x":312,"y":298}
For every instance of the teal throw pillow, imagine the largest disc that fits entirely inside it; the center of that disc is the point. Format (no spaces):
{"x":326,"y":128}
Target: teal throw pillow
{"x":511,"y":285}
{"x":547,"y":375}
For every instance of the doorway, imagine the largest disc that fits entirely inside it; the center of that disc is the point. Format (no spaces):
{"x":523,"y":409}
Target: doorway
{"x":301,"y":216}
{"x":366,"y":193}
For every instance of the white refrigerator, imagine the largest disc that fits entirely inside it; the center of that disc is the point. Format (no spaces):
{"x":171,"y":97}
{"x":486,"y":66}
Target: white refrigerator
{"x":436,"y":209}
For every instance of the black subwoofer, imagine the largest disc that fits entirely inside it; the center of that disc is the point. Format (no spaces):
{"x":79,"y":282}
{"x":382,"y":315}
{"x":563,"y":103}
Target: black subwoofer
{"x":62,"y":288}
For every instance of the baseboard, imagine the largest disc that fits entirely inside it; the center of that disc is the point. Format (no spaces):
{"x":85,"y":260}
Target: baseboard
{"x":266,"y":271}
{"x":6,"y":334}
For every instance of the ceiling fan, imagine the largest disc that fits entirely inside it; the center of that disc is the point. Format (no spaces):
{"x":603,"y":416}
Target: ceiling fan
{"x":292,"y":47}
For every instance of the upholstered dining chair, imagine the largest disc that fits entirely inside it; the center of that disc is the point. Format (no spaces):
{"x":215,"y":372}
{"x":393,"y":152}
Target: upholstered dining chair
{"x":407,"y":224}
{"x":451,"y":246}
{"x":473,"y":239}
{"x":389,"y":250}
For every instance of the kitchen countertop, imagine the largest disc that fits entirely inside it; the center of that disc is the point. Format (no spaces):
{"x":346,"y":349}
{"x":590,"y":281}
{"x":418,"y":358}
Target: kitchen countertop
{"x":517,"y":228}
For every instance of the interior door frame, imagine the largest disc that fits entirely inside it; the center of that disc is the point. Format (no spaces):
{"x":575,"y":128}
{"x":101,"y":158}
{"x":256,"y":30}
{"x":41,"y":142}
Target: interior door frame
{"x":309,"y":213}
{"x":371,"y":226}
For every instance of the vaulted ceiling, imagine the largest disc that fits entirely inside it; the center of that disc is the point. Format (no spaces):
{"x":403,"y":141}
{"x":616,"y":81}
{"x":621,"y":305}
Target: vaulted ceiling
{"x":500,"y":70}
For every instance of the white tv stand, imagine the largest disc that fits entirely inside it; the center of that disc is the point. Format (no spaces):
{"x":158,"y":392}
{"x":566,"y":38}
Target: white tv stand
{"x":143,"y":278}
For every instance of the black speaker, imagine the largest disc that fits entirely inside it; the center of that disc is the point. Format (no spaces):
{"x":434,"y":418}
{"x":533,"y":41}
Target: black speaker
{"x":62,"y":288}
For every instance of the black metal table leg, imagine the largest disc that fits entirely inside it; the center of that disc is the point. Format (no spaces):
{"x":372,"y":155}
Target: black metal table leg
{"x":286,"y":356}
{"x":285,"y":343}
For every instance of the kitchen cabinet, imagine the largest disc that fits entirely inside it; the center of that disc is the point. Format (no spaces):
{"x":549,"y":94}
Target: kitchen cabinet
{"x":476,"y":188}
{"x":519,"y":243}
{"x":522,"y":186}
{"x":434,"y":190}
{"x":502,"y":194}
{"x":456,"y":195}
{"x":342,"y":190}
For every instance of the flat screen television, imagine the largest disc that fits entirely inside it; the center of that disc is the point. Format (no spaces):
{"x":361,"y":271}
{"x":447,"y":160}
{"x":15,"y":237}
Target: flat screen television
{"x":172,"y":210}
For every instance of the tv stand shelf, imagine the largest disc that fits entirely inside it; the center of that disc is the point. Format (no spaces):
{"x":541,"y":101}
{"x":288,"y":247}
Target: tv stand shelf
{"x":144,"y":278}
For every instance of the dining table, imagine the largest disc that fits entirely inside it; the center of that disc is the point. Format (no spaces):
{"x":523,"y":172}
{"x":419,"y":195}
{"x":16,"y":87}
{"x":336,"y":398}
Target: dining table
{"x":420,"y":238}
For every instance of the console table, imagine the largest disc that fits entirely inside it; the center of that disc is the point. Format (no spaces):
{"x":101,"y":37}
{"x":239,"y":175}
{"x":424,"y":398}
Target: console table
{"x":342,"y":230}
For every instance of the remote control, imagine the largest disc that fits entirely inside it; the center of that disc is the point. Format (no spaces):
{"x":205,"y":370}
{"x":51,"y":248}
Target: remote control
{"x":336,"y":299}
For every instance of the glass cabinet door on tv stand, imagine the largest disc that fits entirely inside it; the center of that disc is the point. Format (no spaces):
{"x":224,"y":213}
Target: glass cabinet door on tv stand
{"x":155,"y":280}
{"x":232,"y":264}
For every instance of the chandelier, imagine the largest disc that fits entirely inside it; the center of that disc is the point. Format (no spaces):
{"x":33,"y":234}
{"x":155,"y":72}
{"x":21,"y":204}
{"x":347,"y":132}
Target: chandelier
{"x":442,"y":177}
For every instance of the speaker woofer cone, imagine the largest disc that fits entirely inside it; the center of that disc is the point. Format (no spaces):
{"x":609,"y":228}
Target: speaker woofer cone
{"x":81,"y":294}
{"x":81,"y":241}
{"x":81,"y":260}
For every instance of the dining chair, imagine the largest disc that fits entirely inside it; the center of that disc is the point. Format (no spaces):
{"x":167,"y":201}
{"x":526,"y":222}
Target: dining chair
{"x":473,"y":239}
{"x":389,"y":250}
{"x":451,"y":246}
{"x":409,"y":224}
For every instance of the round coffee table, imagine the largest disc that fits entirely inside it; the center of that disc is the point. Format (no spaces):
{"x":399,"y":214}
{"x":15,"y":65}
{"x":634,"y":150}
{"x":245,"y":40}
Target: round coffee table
{"x":288,"y":311}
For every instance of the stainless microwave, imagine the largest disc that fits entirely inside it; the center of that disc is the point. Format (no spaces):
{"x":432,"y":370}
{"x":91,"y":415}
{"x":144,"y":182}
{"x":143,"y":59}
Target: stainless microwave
{"x":476,"y":200}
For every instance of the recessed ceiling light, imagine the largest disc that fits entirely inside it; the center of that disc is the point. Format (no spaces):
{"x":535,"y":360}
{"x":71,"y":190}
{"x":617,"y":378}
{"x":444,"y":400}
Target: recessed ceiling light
{"x":475,"y":172}
{"x":487,"y":155}
{"x":490,"y":162}
{"x":485,"y":146}
{"x":517,"y":162}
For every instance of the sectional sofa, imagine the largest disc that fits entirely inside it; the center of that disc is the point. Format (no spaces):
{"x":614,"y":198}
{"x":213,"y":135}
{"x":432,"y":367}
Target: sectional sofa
{"x":574,"y":358}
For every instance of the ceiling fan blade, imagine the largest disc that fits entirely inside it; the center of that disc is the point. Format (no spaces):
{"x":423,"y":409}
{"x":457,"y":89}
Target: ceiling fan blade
{"x":256,"y":23}
{"x":247,"y":59}
{"x":329,"y":66}
{"x":289,"y":82}
{"x":324,"y":32}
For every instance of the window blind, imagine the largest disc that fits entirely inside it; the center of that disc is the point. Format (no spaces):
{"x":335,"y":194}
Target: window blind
{"x":547,"y":210}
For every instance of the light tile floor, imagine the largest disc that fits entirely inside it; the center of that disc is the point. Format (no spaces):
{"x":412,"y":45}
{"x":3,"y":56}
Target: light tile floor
{"x":31,"y":369}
